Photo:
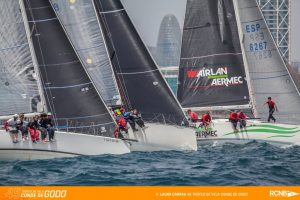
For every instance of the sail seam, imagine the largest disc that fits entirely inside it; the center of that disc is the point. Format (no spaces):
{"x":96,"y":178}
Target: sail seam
{"x":71,"y":86}
{"x":269,"y":77}
{"x":43,"y":20}
{"x":144,"y":72}
{"x":21,"y":45}
{"x":252,"y":21}
{"x":222,"y":54}
{"x":59,"y":64}
{"x":112,"y":11}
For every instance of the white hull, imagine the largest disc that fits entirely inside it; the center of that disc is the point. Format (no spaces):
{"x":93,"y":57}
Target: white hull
{"x":277,"y":134}
{"x":162,"y":137}
{"x":66,"y":145}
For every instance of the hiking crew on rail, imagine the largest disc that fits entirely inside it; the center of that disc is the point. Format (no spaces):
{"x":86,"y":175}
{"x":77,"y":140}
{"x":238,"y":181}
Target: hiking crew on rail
{"x":38,"y":124}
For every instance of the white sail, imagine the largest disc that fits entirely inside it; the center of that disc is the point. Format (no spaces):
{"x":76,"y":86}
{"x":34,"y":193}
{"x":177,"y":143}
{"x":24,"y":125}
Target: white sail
{"x":268,"y":72}
{"x":80,"y":21}
{"x":18,"y":80}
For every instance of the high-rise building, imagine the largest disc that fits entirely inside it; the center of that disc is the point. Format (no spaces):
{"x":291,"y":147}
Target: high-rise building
{"x":169,"y":42}
{"x":277,"y":15}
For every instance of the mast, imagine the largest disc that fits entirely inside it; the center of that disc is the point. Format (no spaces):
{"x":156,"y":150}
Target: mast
{"x":34,"y":60}
{"x":241,"y":36}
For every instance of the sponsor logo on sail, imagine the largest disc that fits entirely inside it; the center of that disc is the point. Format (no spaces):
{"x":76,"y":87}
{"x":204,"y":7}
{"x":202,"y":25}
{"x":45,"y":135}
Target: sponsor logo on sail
{"x":282,"y":193}
{"x":219,"y":76}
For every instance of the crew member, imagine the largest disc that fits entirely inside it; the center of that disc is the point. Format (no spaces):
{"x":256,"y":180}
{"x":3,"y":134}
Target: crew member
{"x":33,"y":128}
{"x":206,"y":120}
{"x":12,"y":126}
{"x":50,"y":128}
{"x":272,"y":108}
{"x":233,"y":118}
{"x":192,"y":116}
{"x":242,"y":119}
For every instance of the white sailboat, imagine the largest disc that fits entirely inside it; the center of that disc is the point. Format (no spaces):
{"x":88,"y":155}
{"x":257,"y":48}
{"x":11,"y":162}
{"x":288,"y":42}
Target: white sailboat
{"x":238,"y":67}
{"x":36,"y":39}
{"x":141,"y":84}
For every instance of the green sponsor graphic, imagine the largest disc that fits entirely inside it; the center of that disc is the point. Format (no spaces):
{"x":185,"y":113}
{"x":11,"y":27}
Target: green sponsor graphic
{"x":278,"y":136}
{"x":279,"y":131}
{"x":272,"y":126}
{"x":218,"y":76}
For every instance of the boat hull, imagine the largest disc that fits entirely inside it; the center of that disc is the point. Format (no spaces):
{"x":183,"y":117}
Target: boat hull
{"x":65,"y":145}
{"x":163,"y":137}
{"x":278,"y":134}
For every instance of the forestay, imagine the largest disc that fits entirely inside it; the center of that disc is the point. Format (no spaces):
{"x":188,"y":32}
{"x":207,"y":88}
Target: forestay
{"x":80,"y":21}
{"x":18,"y":79}
{"x":268,"y":73}
{"x":70,"y":94}
{"x":140,"y":81}
{"x":211,"y":71}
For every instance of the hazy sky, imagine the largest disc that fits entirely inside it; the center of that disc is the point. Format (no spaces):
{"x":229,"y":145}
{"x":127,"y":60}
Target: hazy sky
{"x":148,"y":14}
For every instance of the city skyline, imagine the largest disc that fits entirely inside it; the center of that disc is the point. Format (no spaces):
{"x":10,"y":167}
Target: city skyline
{"x":147,"y":16}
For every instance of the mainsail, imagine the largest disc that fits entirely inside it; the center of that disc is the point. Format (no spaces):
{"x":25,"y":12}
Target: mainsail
{"x":70,"y":94}
{"x":140,"y":81}
{"x":268,"y":72}
{"x":81,"y":24}
{"x":211,"y":71}
{"x":18,"y":80}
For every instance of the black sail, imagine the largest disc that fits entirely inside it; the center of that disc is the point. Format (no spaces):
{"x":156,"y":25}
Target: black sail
{"x":71,"y":97}
{"x":139,"y":79}
{"x":211,"y":71}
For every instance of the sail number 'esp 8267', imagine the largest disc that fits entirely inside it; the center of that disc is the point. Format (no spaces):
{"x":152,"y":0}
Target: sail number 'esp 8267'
{"x":257,"y":43}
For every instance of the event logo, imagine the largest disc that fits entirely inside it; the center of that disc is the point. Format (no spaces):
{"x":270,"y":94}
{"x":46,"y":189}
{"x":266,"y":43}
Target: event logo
{"x":282,"y":193}
{"x":218,"y":77}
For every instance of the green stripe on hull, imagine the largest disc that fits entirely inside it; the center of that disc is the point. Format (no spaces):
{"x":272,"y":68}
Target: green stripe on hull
{"x":273,"y":127}
{"x":266,"y":131}
{"x":281,"y":136}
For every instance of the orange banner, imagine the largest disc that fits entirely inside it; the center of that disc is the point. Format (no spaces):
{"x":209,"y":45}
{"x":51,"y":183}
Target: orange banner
{"x":147,"y":192}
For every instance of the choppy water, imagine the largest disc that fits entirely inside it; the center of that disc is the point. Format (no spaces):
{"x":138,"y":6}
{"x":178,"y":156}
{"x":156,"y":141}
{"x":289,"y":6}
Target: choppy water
{"x":230,"y":164}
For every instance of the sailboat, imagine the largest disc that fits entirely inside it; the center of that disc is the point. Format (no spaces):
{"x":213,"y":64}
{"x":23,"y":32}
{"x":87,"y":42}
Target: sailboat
{"x":85,"y":125}
{"x":141,"y":84}
{"x":229,"y":60}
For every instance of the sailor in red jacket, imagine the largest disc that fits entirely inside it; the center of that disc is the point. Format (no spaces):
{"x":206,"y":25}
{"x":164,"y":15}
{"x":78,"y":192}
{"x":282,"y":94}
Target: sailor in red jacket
{"x":233,"y":118}
{"x":206,"y":120}
{"x":242,"y":119}
{"x":272,"y":108}
{"x":193,"y":116}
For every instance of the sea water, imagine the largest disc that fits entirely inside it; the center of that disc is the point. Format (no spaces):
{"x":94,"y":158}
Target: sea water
{"x":228,"y":164}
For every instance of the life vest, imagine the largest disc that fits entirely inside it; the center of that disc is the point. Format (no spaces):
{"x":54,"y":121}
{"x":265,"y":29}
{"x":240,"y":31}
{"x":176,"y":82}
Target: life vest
{"x":206,"y":118}
{"x":233,"y":116}
{"x":5,"y":125}
{"x":271,"y":104}
{"x":121,"y":122}
{"x":193,"y":116}
{"x":241,"y":115}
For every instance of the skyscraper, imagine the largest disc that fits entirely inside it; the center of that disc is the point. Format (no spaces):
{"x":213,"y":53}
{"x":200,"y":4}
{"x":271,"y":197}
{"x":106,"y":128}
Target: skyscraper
{"x":277,"y":15}
{"x":169,"y":42}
